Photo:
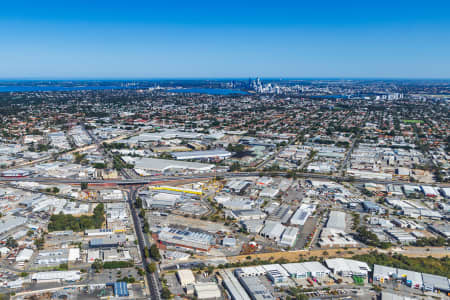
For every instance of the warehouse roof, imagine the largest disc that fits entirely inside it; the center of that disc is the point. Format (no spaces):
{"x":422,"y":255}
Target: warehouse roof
{"x":336,"y":220}
{"x":383,"y":271}
{"x":185,"y":277}
{"x":437,"y":282}
{"x":201,"y":154}
{"x":233,"y":286}
{"x":162,"y":165}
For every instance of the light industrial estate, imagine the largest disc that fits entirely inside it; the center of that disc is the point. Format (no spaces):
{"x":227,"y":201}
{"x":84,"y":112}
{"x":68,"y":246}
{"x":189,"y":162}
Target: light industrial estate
{"x":226,"y":189}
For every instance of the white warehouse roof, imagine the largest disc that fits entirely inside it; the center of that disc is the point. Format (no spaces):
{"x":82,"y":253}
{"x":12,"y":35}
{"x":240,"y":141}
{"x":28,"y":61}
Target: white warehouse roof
{"x":201,"y":154}
{"x":336,"y":220}
{"x":56,"y":275}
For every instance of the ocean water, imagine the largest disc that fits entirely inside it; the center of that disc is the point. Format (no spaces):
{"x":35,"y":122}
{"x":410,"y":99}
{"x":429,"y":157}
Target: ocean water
{"x":53,"y":88}
{"x":208,"y":91}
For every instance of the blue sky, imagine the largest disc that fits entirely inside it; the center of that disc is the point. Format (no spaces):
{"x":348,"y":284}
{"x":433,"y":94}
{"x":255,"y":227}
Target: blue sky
{"x":192,"y":39}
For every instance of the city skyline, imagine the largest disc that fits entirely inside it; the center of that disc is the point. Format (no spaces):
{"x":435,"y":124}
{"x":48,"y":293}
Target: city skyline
{"x":404,"y":40}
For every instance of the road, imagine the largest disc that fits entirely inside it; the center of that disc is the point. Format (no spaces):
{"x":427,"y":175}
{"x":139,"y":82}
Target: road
{"x":152,"y":278}
{"x":205,"y":176}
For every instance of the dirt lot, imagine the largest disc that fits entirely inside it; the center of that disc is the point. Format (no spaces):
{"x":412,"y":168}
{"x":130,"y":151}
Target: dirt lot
{"x":293,"y":256}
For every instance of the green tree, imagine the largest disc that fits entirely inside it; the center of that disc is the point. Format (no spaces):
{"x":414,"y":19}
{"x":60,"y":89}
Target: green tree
{"x":151,"y":268}
{"x":154,"y":252}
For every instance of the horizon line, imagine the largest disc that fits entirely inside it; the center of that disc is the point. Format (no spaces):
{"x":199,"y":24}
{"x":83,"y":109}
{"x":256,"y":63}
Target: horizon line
{"x":213,"y":78}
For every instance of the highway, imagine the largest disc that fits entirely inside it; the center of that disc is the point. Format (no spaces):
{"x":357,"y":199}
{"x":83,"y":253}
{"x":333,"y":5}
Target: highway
{"x":205,"y":176}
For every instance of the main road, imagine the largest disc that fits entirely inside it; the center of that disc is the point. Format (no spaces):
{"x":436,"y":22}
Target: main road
{"x":162,"y":179}
{"x":152,"y":279}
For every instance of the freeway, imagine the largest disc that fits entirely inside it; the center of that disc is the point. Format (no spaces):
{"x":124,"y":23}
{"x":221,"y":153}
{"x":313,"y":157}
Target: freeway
{"x":161,"y":179}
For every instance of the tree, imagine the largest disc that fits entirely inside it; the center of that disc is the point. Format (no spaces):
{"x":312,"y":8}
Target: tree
{"x":55,"y":190}
{"x":97,"y":265}
{"x":138,"y":202}
{"x":154,"y":252}
{"x":11,"y":243}
{"x":146,"y":227}
{"x":84,"y":186}
{"x":235,"y":167}
{"x":146,"y":252}
{"x":165,"y":293}
{"x":39,"y":243}
{"x":151,"y":268}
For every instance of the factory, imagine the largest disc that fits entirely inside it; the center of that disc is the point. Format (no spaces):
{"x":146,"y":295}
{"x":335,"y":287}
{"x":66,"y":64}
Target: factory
{"x":56,"y":276}
{"x":10,"y":222}
{"x":347,"y":267}
{"x":232,"y":285}
{"x":429,"y":191}
{"x":185,"y":277}
{"x":247,"y":214}
{"x":336,"y":220}
{"x":371,"y":207}
{"x":110,"y":241}
{"x":186,"y":239}
{"x":302,"y":214}
{"x":306,"y":270}
{"x":255,"y":288}
{"x":56,"y":257}
{"x":272,"y":230}
{"x":148,"y":166}
{"x":401,"y":235}
{"x":204,"y":155}
{"x":207,"y":290}
{"x":425,"y":281}
{"x":289,"y":237}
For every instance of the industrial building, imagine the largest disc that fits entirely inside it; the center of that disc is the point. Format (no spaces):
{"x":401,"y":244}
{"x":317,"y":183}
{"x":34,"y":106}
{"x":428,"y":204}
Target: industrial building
{"x":276,"y":273}
{"x":10,"y":222}
{"x":98,"y":232}
{"x":435,"y":283}
{"x":207,"y":290}
{"x":443,"y":230}
{"x":302,"y":214}
{"x":247,"y":214}
{"x":162,"y":200}
{"x":110,"y":241}
{"x":186,"y":239}
{"x":306,"y":270}
{"x":255,"y":288}
{"x":120,"y":289}
{"x":336,"y":220}
{"x":172,"y":166}
{"x":185,"y":277}
{"x":401,"y":235}
{"x":383,"y":273}
{"x":24,"y":255}
{"x":331,"y":237}
{"x":371,"y":207}
{"x":428,"y":282}
{"x":232,"y":285}
{"x":253,"y":226}
{"x":289,"y":237}
{"x":281,"y":213}
{"x":207,"y":154}
{"x":347,"y":267}
{"x":411,"y":278}
{"x":56,"y":276}
{"x":58,"y":256}
{"x":272,"y":230}
{"x":429,"y":191}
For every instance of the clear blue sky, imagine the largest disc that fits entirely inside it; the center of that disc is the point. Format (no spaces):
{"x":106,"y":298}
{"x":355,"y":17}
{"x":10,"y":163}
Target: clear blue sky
{"x":171,"y":38}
